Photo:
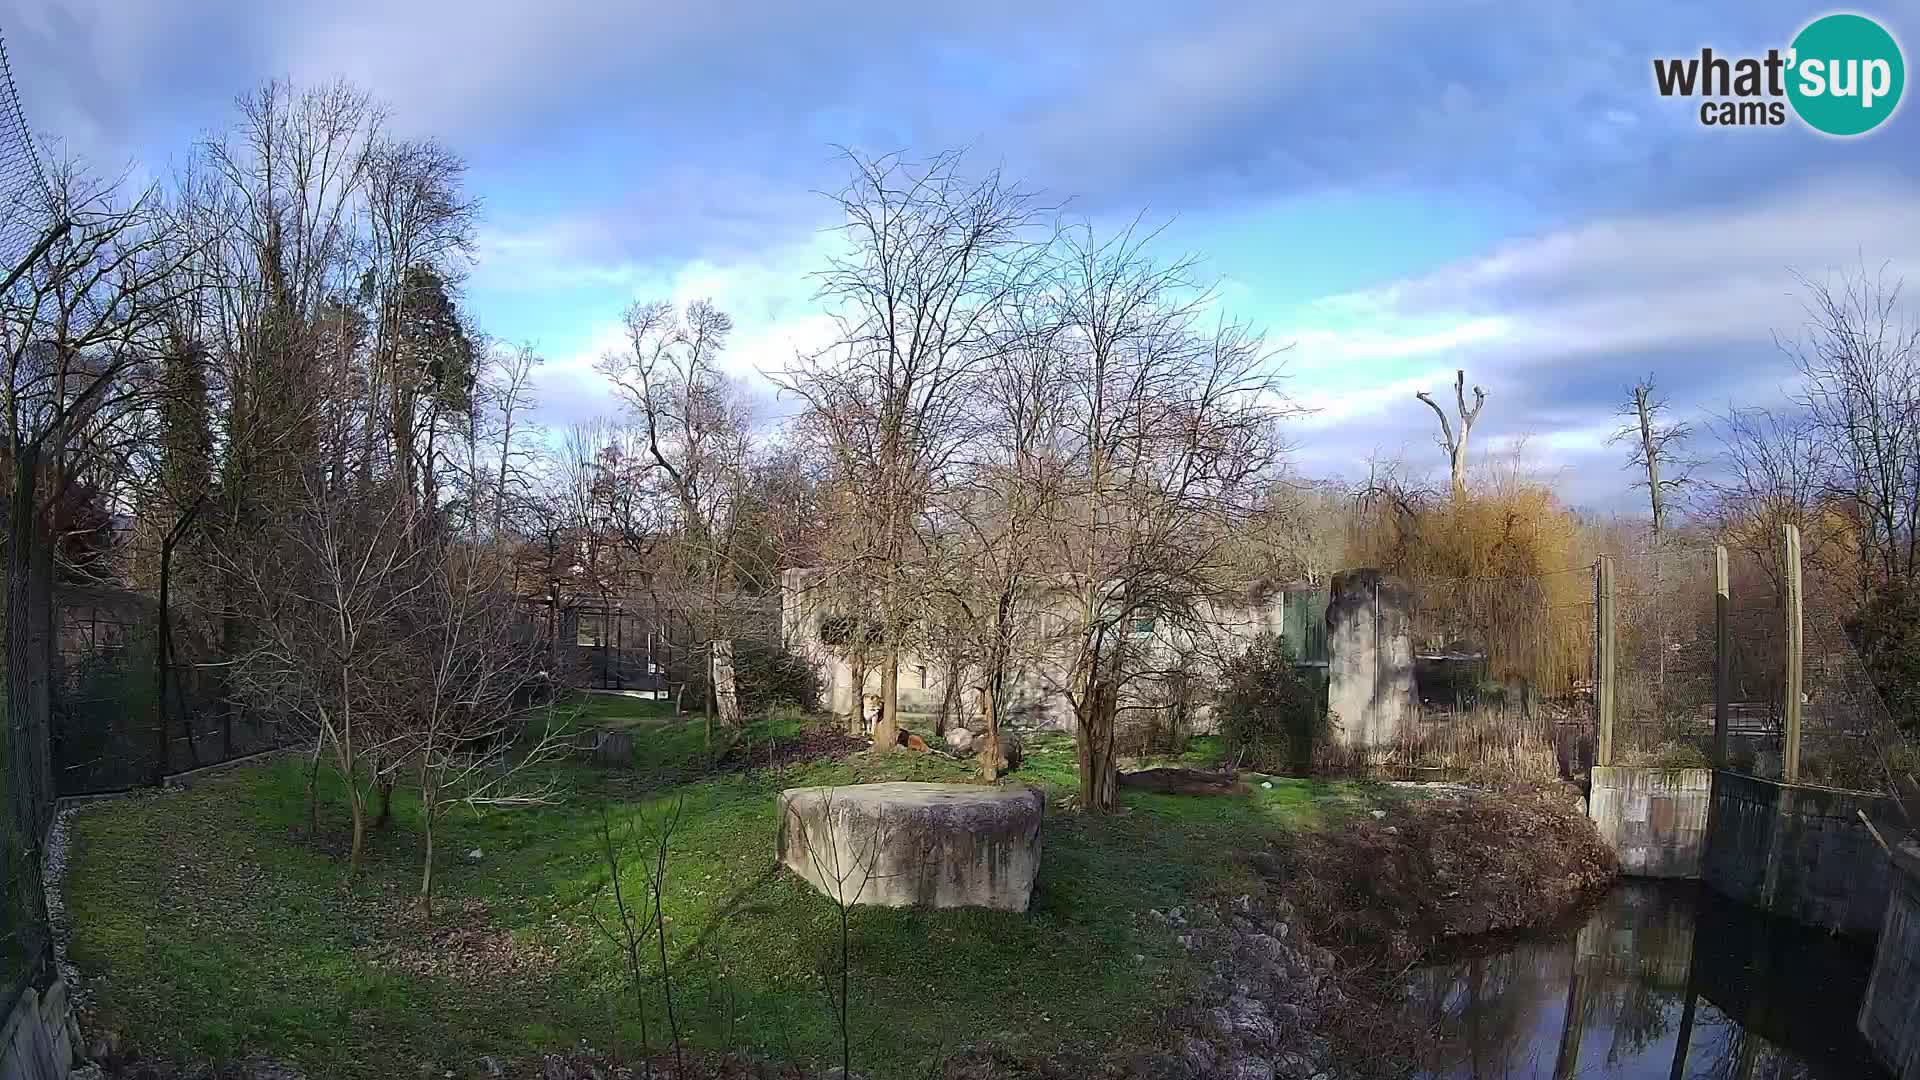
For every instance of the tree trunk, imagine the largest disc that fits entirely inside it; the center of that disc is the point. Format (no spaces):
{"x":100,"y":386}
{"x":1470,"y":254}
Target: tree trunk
{"x":857,"y":713}
{"x":357,"y":804}
{"x":1098,"y":775}
{"x":886,"y":736}
{"x":426,"y":863}
{"x":43,"y":657}
{"x":385,"y":817}
{"x":313,"y":791}
{"x":990,"y":756}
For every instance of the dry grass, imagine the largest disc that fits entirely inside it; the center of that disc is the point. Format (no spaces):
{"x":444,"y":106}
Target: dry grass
{"x":1390,"y":887}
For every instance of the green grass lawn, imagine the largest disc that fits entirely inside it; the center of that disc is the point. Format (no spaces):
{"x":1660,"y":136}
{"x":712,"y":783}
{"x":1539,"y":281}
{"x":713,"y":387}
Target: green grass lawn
{"x":207,"y":925}
{"x":615,"y":711}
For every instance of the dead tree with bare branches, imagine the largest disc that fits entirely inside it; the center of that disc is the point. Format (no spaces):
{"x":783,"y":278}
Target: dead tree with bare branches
{"x":1658,"y":449}
{"x":1456,"y":445}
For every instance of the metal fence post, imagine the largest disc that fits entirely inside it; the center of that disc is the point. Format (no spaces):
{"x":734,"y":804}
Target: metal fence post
{"x":1790,"y":767}
{"x":1604,"y":662}
{"x":1722,"y":658}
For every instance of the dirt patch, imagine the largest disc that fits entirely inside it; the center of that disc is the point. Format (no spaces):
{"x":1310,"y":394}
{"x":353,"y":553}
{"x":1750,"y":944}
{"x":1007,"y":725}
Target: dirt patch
{"x":1402,"y":879}
{"x":812,"y":744}
{"x":1170,"y":781}
{"x":459,"y":942}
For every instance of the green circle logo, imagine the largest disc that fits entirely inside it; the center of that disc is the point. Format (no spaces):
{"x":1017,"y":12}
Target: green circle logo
{"x":1846,"y":74}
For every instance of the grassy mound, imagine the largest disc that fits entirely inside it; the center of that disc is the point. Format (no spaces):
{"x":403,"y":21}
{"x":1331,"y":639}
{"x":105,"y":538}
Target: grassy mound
{"x":1414,"y":873}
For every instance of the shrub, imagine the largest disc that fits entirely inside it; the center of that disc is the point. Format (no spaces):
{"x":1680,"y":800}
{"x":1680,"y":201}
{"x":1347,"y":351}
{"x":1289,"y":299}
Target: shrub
{"x":1271,"y":714}
{"x":1668,"y":755}
{"x":1887,"y":631}
{"x":765,"y":676}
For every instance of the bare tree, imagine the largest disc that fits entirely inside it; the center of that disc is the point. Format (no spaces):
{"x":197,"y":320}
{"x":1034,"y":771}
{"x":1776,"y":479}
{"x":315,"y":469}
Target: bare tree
{"x":1658,"y":449}
{"x":995,"y":519}
{"x":326,"y":592}
{"x":1860,"y":359}
{"x":1775,"y":469}
{"x":696,"y":452}
{"x":79,"y":325}
{"x":1166,"y":422}
{"x":507,"y":395}
{"x":934,"y":257}
{"x":465,"y":666}
{"x":1456,"y":446}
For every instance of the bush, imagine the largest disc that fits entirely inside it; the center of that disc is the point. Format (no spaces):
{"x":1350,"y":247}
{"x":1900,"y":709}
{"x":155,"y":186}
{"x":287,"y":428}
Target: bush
{"x":1271,"y":714}
{"x":1887,"y":631}
{"x":1668,"y":755}
{"x":765,"y":676}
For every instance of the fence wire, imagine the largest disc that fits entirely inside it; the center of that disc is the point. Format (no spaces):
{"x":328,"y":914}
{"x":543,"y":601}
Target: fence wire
{"x":25,"y":942}
{"x":1506,"y":669}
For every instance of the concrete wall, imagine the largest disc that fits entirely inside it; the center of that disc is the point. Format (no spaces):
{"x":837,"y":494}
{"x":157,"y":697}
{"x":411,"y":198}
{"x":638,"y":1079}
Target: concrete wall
{"x":1036,"y":697}
{"x":38,"y":1038}
{"x":1655,"y":820}
{"x":1371,"y":697}
{"x":1890,"y":1010}
{"x":1798,"y":851}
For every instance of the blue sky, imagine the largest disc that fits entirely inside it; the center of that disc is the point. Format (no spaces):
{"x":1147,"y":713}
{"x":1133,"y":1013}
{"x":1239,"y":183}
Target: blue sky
{"x":1395,"y":188}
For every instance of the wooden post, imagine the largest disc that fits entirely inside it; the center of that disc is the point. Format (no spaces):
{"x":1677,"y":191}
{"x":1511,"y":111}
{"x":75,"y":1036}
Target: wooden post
{"x":1790,"y":769}
{"x":1603,"y":643}
{"x":1722,"y":658}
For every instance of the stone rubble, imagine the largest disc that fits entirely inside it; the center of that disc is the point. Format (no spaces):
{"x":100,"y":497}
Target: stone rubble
{"x":1267,"y":993}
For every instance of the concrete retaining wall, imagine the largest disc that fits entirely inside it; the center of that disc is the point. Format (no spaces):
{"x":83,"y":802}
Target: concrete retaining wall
{"x":38,"y":1039}
{"x":1655,"y":820}
{"x":1798,"y":851}
{"x":1890,"y":1010}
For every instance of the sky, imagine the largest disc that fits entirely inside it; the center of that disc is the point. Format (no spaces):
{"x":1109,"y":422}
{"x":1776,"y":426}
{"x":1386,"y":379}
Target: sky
{"x":1392,"y":190}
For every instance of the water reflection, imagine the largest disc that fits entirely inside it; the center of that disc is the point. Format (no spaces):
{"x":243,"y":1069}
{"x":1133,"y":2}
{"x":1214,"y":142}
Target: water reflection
{"x":1663,"y":981}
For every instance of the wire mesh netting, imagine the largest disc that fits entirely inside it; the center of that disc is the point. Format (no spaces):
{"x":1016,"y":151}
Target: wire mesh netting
{"x":25,"y":944}
{"x":112,"y":730}
{"x":1500,"y":674}
{"x":1505,"y":671}
{"x":23,"y":185}
{"x":1664,"y":665}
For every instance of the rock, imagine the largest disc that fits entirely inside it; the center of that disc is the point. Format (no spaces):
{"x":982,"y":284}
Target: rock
{"x":1200,"y":1055}
{"x":904,"y":844}
{"x":959,"y":740}
{"x":491,"y":1067}
{"x":1183,"y":782}
{"x":613,"y":748}
{"x":474,"y":855}
{"x":1378,"y":814}
{"x":1267,"y":784}
{"x":1248,"y":1068}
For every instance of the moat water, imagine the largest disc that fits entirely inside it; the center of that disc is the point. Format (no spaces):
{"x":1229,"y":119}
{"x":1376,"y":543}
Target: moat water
{"x":1659,"y":981}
